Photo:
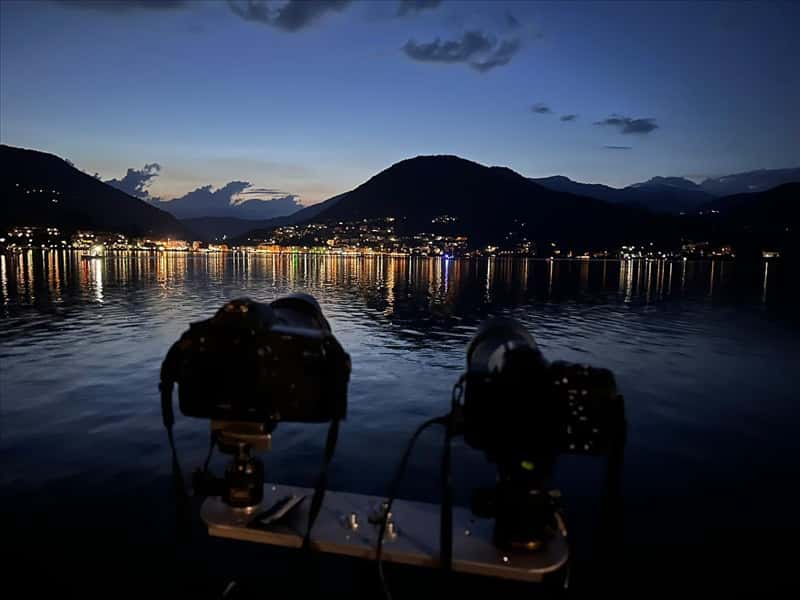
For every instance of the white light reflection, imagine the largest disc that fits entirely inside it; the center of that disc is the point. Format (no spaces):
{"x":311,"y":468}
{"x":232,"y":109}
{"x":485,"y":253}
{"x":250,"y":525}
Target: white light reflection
{"x":97,"y":279}
{"x":488,"y":294}
{"x":3,"y":278}
{"x":629,"y":282}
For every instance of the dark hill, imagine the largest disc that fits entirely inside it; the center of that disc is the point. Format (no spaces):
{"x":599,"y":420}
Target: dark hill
{"x":38,"y":188}
{"x":777,"y":209}
{"x":488,"y":202}
{"x":758,"y":221}
{"x":663,"y":194}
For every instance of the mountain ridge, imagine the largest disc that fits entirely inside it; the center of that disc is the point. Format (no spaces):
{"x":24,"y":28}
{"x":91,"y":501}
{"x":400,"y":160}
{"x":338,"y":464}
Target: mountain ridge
{"x":428,"y":193}
{"x":490,"y":203}
{"x":40,"y":188}
{"x":675,"y":195}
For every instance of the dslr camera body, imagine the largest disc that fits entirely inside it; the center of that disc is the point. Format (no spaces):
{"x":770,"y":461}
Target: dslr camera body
{"x":249,"y":367}
{"x":523,"y":411}
{"x":263,"y":363}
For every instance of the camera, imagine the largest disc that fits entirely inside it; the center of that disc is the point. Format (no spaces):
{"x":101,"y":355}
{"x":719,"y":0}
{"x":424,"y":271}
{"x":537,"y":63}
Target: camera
{"x":263,"y":363}
{"x":523,"y":411}
{"x":249,"y":367}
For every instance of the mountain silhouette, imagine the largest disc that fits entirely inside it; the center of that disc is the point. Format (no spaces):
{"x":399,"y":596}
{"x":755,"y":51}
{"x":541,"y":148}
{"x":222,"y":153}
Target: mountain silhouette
{"x":680,"y":183}
{"x":560,"y":183}
{"x":487,"y":203}
{"x":750,"y":181}
{"x":753,"y":222}
{"x":490,"y":205}
{"x":671,"y":195}
{"x":776,"y":209}
{"x":42,"y":189}
{"x":675,"y":195}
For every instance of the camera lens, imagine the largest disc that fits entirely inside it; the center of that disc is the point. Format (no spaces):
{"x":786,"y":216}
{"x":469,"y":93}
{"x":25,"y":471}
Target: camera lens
{"x":496,"y":340}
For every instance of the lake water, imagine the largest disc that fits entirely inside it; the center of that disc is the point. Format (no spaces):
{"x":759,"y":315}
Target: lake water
{"x":706,"y":354}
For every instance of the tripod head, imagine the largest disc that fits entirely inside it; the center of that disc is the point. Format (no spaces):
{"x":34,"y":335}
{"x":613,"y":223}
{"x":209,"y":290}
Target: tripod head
{"x":244,"y":476}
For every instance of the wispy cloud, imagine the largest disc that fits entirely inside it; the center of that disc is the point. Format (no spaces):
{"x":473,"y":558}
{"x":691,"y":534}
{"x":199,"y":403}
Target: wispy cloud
{"x":289,"y":16}
{"x":500,"y":57}
{"x":568,"y":117}
{"x":479,"y":50}
{"x":262,"y":191}
{"x":541,"y":109}
{"x":628,"y":125}
{"x":618,"y":147}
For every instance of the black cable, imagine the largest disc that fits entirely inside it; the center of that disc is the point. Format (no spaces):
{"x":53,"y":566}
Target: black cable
{"x":446,"y":515}
{"x":393,"y":489}
{"x":182,"y":503}
{"x":166,"y":383}
{"x":322,"y":481}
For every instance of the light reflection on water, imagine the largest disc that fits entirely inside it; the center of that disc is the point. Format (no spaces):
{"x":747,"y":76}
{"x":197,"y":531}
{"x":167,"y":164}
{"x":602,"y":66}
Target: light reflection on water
{"x":703,"y":351}
{"x":23,"y":275}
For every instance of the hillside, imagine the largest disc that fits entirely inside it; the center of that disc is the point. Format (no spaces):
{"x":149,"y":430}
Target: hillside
{"x":777,"y":209}
{"x":754,"y":222}
{"x":486,"y":203}
{"x":38,"y":188}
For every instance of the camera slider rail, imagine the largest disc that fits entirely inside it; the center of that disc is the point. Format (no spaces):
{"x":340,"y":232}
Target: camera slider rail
{"x":345,"y":526}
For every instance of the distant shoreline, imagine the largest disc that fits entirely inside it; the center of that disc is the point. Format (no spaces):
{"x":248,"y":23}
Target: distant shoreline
{"x":116,"y":253}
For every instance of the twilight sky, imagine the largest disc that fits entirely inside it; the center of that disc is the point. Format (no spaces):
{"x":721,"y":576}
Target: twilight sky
{"x":311,"y":98}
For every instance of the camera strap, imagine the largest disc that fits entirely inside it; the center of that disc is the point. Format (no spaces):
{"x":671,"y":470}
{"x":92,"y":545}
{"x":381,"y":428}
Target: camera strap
{"x":168,"y":416}
{"x":322,"y":481}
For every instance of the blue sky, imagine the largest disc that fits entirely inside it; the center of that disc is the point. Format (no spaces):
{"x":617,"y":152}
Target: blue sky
{"x":314,"y":100}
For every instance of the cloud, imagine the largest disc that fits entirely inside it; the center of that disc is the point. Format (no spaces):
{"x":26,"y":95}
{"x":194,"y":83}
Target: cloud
{"x":234,"y":199}
{"x":628,"y":125}
{"x":124,"y":6}
{"x":541,"y":109}
{"x":480,"y":51}
{"x":408,"y":7}
{"x":618,"y":147}
{"x":136,"y":181}
{"x":500,"y":57}
{"x":568,"y":117}
{"x":293,"y":15}
{"x":261,"y":191}
{"x":450,"y":51}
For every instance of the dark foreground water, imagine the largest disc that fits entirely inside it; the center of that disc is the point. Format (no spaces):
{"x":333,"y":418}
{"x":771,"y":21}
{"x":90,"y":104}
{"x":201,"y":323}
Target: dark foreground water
{"x":706,"y":354}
